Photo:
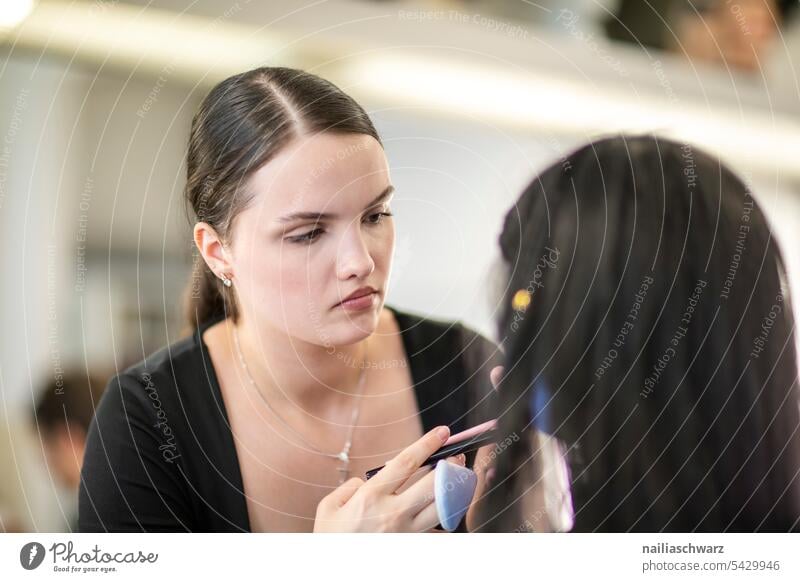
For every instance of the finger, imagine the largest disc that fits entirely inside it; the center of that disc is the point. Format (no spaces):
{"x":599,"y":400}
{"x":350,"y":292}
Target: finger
{"x":426,"y":519}
{"x":420,"y":494}
{"x":400,"y":468}
{"x":496,"y":375}
{"x":471,"y":432}
{"x":344,"y":492}
{"x":460,"y":459}
{"x":482,"y":466}
{"x":421,"y":472}
{"x":483,"y":462}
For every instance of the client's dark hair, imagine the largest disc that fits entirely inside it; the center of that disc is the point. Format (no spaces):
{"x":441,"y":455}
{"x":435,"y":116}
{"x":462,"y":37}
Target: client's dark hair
{"x":661,"y":335}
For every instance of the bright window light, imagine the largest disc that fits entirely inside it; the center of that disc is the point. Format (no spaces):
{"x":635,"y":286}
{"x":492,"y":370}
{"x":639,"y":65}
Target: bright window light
{"x":12,"y":12}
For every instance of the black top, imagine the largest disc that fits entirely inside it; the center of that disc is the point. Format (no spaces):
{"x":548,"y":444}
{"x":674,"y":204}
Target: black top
{"x":160,"y":454}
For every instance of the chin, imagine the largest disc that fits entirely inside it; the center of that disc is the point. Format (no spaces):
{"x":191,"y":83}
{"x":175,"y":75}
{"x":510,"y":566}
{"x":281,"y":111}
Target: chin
{"x":353,"y":329}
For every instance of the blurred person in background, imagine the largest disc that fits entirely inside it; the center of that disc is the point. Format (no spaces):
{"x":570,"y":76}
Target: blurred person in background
{"x":737,"y":33}
{"x":63,"y":412}
{"x":650,"y":352}
{"x":734,"y":33}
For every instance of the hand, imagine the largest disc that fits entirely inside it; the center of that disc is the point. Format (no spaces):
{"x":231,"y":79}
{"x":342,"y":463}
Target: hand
{"x":376,"y":505}
{"x":484,"y":465}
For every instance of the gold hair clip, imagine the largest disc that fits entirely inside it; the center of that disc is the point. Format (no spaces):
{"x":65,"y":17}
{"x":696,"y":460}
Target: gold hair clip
{"x":521,"y":300}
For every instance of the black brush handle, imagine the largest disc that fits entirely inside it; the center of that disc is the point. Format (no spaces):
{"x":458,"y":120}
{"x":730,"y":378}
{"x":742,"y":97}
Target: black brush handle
{"x":467,"y":446}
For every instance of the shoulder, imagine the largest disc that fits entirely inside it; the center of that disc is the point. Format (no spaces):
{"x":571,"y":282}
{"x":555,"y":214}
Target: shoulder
{"x":150,"y":390}
{"x":169,"y":360}
{"x":133,"y":473}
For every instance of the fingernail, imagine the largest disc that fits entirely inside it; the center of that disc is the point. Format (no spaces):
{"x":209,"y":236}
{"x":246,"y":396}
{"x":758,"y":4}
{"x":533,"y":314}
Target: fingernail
{"x":443,"y":432}
{"x":460,"y":459}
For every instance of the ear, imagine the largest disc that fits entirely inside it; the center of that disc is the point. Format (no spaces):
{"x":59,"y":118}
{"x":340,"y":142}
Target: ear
{"x":212,"y":249}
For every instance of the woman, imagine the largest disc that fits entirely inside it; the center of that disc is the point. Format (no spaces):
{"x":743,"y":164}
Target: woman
{"x":297,"y":378}
{"x":648,"y":329}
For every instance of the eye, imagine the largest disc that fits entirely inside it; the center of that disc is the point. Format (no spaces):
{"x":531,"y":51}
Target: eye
{"x":377,"y":218}
{"x":308,"y":237}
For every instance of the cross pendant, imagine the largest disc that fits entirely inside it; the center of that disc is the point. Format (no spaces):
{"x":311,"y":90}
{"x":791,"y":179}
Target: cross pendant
{"x":344,"y":468}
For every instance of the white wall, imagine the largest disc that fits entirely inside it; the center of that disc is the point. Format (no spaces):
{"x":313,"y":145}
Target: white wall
{"x":40,"y":103}
{"x":455,"y":182}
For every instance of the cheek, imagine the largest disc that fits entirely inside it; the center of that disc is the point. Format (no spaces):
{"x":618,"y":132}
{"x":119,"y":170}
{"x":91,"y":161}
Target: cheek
{"x":306,"y":292}
{"x":302,"y":279}
{"x":382,"y":248}
{"x":293,"y":279}
{"x":272,"y":278}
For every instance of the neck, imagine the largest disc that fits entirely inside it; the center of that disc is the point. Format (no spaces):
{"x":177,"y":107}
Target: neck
{"x":286,"y":369}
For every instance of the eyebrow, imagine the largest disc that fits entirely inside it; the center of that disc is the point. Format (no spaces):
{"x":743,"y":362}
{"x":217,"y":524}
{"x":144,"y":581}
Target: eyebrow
{"x":317,"y":216}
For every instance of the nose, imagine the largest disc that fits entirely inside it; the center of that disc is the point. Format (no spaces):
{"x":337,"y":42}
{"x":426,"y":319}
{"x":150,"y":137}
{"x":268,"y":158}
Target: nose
{"x":353,"y":259}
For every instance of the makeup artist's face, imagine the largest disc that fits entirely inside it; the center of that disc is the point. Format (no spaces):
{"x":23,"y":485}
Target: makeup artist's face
{"x":315,"y":232}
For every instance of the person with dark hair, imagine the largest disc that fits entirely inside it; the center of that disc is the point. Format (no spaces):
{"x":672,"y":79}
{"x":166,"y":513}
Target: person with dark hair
{"x":61,"y":417}
{"x":297,"y":378}
{"x":650,"y":373}
{"x":733,"y":34}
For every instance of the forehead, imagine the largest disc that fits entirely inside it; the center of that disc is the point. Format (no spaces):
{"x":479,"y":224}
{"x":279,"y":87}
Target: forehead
{"x":320,"y":172}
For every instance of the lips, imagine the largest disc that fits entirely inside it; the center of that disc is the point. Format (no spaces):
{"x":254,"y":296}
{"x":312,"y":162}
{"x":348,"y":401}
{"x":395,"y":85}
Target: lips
{"x":361,"y":292}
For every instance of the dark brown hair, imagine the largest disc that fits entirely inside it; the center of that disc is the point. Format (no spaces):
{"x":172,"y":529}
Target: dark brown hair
{"x":70,"y":399}
{"x":658,"y":345}
{"x":243,"y":123}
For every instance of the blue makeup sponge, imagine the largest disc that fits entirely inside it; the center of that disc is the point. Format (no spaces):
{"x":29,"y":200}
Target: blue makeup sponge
{"x":453,"y":488}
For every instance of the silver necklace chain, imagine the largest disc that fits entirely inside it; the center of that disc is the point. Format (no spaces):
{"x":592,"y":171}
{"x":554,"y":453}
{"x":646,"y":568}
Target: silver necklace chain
{"x":344,"y":455}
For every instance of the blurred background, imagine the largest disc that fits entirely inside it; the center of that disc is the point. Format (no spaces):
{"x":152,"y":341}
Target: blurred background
{"x":471,"y":99}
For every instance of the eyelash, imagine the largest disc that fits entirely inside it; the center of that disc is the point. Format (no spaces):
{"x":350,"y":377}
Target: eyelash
{"x":310,"y":237}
